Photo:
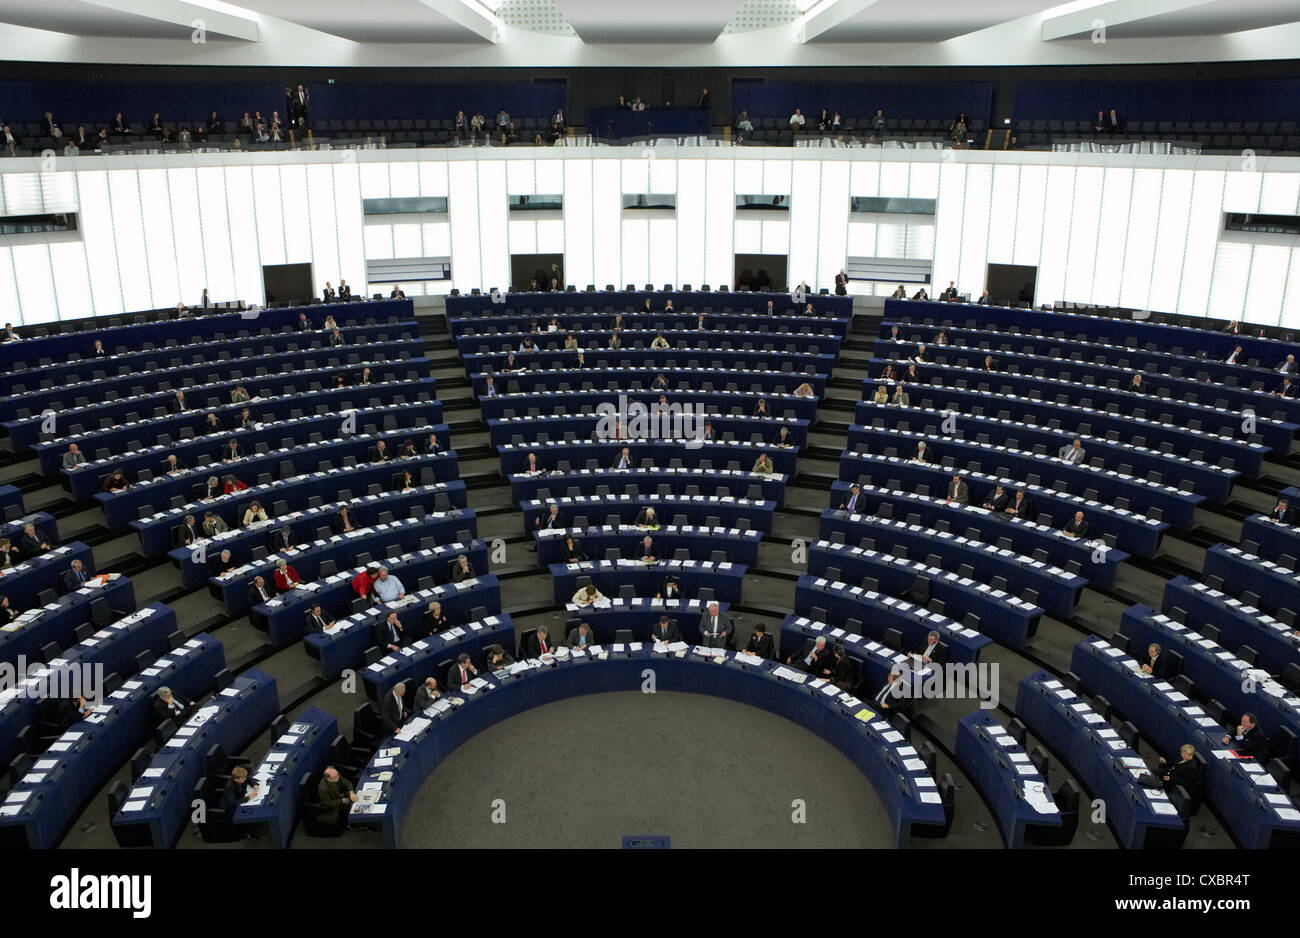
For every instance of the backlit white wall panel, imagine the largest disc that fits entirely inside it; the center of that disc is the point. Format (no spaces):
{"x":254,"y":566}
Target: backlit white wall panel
{"x":1116,"y":232}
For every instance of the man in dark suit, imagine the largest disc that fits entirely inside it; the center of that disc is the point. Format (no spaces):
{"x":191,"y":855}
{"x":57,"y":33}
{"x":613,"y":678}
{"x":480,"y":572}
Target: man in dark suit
{"x":260,"y":592}
{"x":336,"y":798}
{"x":397,"y":294}
{"x":317,"y":621}
{"x":645,"y":551}
{"x":715,"y":627}
{"x":1234,"y":358}
{"x":1249,"y":740}
{"x":172,"y":464}
{"x":539,"y":643}
{"x":282,"y":539}
{"x":75,"y":578}
{"x":816,"y":658}
{"x":647,"y":517}
{"x":666,"y":631}
{"x":841,"y":284}
{"x":1076,"y":526}
{"x":389,"y":634}
{"x":958,"y":491}
{"x":177,"y":403}
{"x":984,"y":299}
{"x":1281,"y":513}
{"x":549,"y":520}
{"x":392,"y":709}
{"x":854,"y":500}
{"x":949,"y":295}
{"x":1286,"y":388}
{"x":221,"y":563}
{"x":581,"y":636}
{"x":32,"y":544}
{"x":187,"y":533}
{"x":1021,"y":506}
{"x":893,"y":694}
{"x":624,"y":460}
{"x":345,"y":291}
{"x":1287,"y":367}
{"x":760,"y":643}
{"x":997,"y":499}
{"x":923,"y":453}
{"x":462,"y":672}
{"x":168,"y":706}
{"x":1156,"y":664}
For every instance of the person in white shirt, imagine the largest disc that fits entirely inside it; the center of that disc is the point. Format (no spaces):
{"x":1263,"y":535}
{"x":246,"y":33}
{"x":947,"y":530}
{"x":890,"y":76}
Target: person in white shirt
{"x":388,"y":588}
{"x":796,"y":121}
{"x":587,"y":596}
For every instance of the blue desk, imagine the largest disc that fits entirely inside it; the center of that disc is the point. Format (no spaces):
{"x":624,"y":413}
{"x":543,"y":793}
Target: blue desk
{"x":345,"y":645}
{"x":120,"y":508}
{"x":1133,"y":533}
{"x":1274,"y":540}
{"x":871,"y":614}
{"x":664,"y":480}
{"x":1003,"y":615}
{"x":980,"y":524}
{"x":1259,"y":814}
{"x":428,"y":656}
{"x":1276,"y":643}
{"x":112,"y":650}
{"x":522,"y":405}
{"x":638,"y":616}
{"x":729,"y":512}
{"x":690,"y":453}
{"x":46,"y":527}
{"x":908,"y":792}
{"x":207,"y":453}
{"x":1125,"y":458}
{"x":474,"y":310}
{"x":1178,"y":507}
{"x":1088,"y":746}
{"x":587,"y":425}
{"x":756,"y":381}
{"x":158,"y":805}
{"x":1275,"y":585}
{"x":731,"y":359}
{"x":283,"y":617}
{"x":34,"y":629}
{"x":35,"y":352}
{"x":10,"y":500}
{"x":1002,"y":771}
{"x":298,"y":493}
{"x":639,"y":337}
{"x":303,"y":750}
{"x":697,"y":541}
{"x":608,"y":576}
{"x":23,"y":582}
{"x":1216,"y":672}
{"x":79,"y":763}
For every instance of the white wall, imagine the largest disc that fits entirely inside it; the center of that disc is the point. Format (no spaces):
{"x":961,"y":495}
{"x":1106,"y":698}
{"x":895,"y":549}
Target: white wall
{"x":1120,"y":230}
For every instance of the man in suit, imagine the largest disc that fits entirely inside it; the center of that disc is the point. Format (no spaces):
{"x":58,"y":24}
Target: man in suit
{"x":581,"y":636}
{"x":188,"y":532}
{"x":841,"y":284}
{"x":177,"y":403}
{"x":646,"y":517}
{"x":984,"y":299}
{"x":1157,"y":665}
{"x":1234,"y":358}
{"x":75,"y":578}
{"x":949,"y":295}
{"x":958,"y":491}
{"x":345,"y":291}
{"x":1136,"y":386}
{"x":854,"y":500}
{"x":1285,"y":389}
{"x":932,"y":653}
{"x":1287,"y":367}
{"x":1076,"y":526}
{"x":816,"y":658}
{"x":168,"y":706}
{"x":1073,"y":454}
{"x":715,"y":627}
{"x":397,"y":293}
{"x":317,"y":621}
{"x":74,"y":457}
{"x":389,"y":634}
{"x":298,"y":104}
{"x":336,"y":798}
{"x":760,"y":643}
{"x":1281,"y":513}
{"x":923,"y":453}
{"x":282,"y":539}
{"x":997,"y":499}
{"x":1186,"y":772}
{"x":392,"y":709}
{"x":172,"y":465}
{"x":462,"y":672}
{"x":893,"y":694}
{"x":1021,"y":506}
{"x":539,"y":643}
{"x":213,"y":525}
{"x":703,"y":103}
{"x":624,"y":460}
{"x":666,"y":631}
{"x":31,"y":544}
{"x":221,"y":563}
{"x":259,"y":592}
{"x":646,"y":551}
{"x":426,"y":695}
{"x":1249,"y":740}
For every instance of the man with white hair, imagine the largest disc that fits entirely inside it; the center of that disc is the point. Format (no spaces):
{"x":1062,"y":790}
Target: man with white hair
{"x":715,"y":627}
{"x":815,"y":658}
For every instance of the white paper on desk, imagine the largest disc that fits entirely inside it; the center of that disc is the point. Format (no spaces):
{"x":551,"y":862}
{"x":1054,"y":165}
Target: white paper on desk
{"x":1018,"y":756}
{"x":10,"y":809}
{"x":1163,"y":807}
{"x":383,"y":761}
{"x":60,"y":746}
{"x":46,"y":764}
{"x":1005,"y":741}
{"x":1275,"y":798}
{"x":152,"y":772}
{"x":133,"y":806}
{"x":288,"y":739}
{"x":892,"y":736}
{"x":1024,"y":769}
{"x":1287,"y":814}
{"x":276,"y":756}
{"x":931,"y":797}
{"x":18,"y":797}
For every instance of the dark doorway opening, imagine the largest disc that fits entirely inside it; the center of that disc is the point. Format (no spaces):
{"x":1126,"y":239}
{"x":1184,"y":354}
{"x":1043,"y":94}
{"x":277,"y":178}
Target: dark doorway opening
{"x":287,"y":284}
{"x":761,"y":272}
{"x":1011,"y":284}
{"x":542,"y":268}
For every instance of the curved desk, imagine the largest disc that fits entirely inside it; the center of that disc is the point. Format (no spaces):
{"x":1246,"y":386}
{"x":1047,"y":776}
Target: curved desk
{"x":910,"y":795}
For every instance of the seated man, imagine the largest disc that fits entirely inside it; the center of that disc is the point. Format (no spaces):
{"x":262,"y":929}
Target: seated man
{"x":581,"y":636}
{"x":75,"y":578}
{"x":587,"y":595}
{"x":997,"y":499}
{"x":816,"y":658}
{"x":646,"y":551}
{"x":923,"y":453}
{"x":646,"y":517}
{"x":1073,"y":453}
{"x":336,"y":798}
{"x":32,"y":544}
{"x":168,"y":706}
{"x":666,"y":631}
{"x":259,"y":592}
{"x":549,"y":519}
{"x":387,"y":588}
{"x":1187,"y":771}
{"x":461,"y":570}
{"x":426,"y":695}
{"x":389,"y":634}
{"x":1076,"y":526}
{"x":317,"y":621}
{"x":1281,"y":513}
{"x":854,"y":499}
{"x":958,"y":491}
{"x":1156,"y":664}
{"x":624,"y":460}
{"x":1249,"y":740}
{"x":462,"y":672}
{"x":1021,"y":506}
{"x":539,"y":643}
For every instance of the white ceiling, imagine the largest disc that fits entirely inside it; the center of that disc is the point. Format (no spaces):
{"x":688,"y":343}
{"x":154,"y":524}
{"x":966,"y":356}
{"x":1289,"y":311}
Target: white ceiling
{"x":667,"y":33}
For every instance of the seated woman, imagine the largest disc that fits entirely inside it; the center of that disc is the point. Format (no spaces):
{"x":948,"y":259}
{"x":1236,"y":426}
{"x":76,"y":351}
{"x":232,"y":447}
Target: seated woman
{"x":212,"y":424}
{"x":899,"y":294}
{"x":495,"y":658}
{"x":570,"y":342}
{"x":616,"y":340}
{"x":881,"y":396}
{"x":255,"y":513}
{"x":404,"y":482}
{"x":363,"y":581}
{"x":587,"y":595}
{"x":571,"y":551}
{"x":115,"y":482}
{"x":660,"y":342}
{"x":286,"y":577}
